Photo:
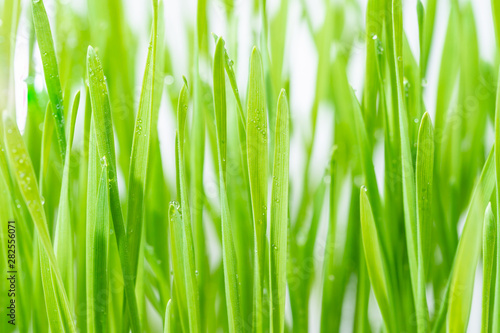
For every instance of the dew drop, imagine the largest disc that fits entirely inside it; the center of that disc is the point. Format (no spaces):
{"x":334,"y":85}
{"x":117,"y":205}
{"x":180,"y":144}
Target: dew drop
{"x":175,"y":204}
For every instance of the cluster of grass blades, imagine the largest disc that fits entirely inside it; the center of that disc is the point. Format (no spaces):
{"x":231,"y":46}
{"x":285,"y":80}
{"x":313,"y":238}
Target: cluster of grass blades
{"x":227,"y":200}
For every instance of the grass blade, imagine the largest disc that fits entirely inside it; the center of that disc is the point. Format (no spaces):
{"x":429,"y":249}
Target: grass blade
{"x":48,"y":130}
{"x":49,"y":61}
{"x":220,"y":106}
{"x":92,"y":189}
{"x":374,"y":259}
{"x":201,"y":102}
{"x":429,"y":19}
{"x":63,"y":245}
{"x":56,"y":322}
{"x":100,"y":247}
{"x":468,"y":252}
{"x":228,"y":249}
{"x":496,"y":307}
{"x":489,"y":249}
{"x":192,"y":291}
{"x":257,"y":151}
{"x":408,"y":175}
{"x":228,"y":65}
{"x":81,"y":227}
{"x":97,"y":242}
{"x":140,"y":150}
{"x":279,"y":217}
{"x":230,"y":267}
{"x":177,"y":259}
{"x":106,"y":150}
{"x":168,"y":314}
{"x":424,"y":175}
{"x":374,"y":25}
{"x":25,"y":177}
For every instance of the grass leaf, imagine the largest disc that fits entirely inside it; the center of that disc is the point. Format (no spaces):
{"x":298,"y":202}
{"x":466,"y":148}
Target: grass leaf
{"x":188,"y":251}
{"x":177,"y":259}
{"x":140,"y":149}
{"x":279,"y":217}
{"x":26,"y":179}
{"x":228,"y":249}
{"x":106,"y":150}
{"x":496,"y":307}
{"x":168,"y":314}
{"x":257,"y":151}
{"x":424,"y":174}
{"x":50,"y":69}
{"x":468,"y":252}
{"x":377,"y":270}
{"x":489,"y":251}
{"x":63,"y":244}
{"x":100,"y":247}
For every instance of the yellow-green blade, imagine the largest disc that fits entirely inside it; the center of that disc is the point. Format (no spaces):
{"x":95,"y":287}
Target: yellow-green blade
{"x":279,"y":217}
{"x":228,"y":248}
{"x":140,"y":148}
{"x":468,"y":252}
{"x":496,"y":307}
{"x":257,"y":151}
{"x":374,"y":259}
{"x":63,"y":246}
{"x":26,"y":179}
{"x":424,"y":178}
{"x":192,"y":292}
{"x":176,"y":250}
{"x":489,"y":252}
{"x":101,"y":111}
{"x":50,"y":69}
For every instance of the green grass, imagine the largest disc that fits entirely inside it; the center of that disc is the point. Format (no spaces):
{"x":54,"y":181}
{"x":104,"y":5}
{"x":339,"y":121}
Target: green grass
{"x":198,"y":196}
